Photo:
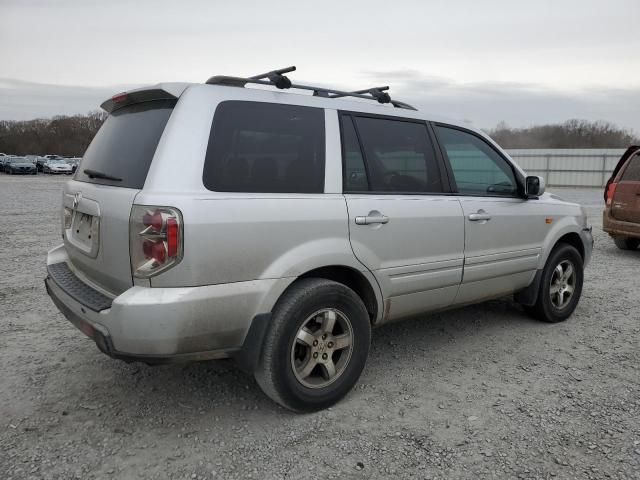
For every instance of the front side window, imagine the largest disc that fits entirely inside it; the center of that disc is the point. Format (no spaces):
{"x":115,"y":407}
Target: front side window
{"x":477,"y":168}
{"x":399,"y":156}
{"x":265,"y":148}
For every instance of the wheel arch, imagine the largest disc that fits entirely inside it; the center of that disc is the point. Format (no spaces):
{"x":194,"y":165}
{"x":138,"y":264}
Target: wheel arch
{"x":567,"y":230}
{"x":529,"y":295}
{"x":363,"y":283}
{"x":573,"y":239}
{"x":365,"y":286}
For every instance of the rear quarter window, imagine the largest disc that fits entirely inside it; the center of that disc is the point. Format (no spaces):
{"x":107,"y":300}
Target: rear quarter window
{"x":265,"y":148}
{"x":126,"y":143}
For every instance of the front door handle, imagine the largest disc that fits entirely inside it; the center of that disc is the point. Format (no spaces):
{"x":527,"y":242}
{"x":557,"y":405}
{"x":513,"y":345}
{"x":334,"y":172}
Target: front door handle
{"x":479,"y":216}
{"x":373,"y":217}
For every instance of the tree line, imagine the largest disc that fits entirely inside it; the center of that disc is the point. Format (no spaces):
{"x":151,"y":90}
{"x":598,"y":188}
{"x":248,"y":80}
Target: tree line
{"x":71,"y":135}
{"x":68,"y":136}
{"x":573,"y":133}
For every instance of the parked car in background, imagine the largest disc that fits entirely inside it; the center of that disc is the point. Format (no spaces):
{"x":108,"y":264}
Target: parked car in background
{"x":74,"y":162}
{"x":3,"y":160}
{"x":299,"y":223}
{"x":621,"y":218}
{"x":20,"y":165}
{"x":44,"y":159}
{"x":32,"y":158}
{"x":57,"y":166}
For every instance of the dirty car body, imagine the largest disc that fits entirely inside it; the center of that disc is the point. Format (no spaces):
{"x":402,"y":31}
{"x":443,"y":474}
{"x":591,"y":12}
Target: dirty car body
{"x":198,"y":259}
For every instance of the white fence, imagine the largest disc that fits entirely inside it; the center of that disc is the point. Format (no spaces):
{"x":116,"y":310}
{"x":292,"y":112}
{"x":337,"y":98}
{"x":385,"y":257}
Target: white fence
{"x":583,"y":167}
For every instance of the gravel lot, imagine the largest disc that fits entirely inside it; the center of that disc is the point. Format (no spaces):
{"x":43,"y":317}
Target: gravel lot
{"x":481,"y":392}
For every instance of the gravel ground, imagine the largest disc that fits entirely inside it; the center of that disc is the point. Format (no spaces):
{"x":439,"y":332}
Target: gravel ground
{"x":481,"y":392}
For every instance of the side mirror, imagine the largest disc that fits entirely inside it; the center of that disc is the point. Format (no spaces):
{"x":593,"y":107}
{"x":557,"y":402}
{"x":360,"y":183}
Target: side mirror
{"x":534,"y":186}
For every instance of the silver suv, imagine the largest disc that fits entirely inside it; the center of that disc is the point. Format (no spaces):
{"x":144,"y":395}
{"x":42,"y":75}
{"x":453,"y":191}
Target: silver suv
{"x":214,"y":220}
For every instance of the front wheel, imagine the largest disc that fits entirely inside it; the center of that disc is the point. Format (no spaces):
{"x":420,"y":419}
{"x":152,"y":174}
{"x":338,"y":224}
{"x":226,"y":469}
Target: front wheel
{"x":316,"y":346}
{"x":560,"y":285}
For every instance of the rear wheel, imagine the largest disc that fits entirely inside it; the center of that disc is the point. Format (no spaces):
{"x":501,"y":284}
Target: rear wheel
{"x":316,"y":346}
{"x":626,"y":243}
{"x":560,"y":285}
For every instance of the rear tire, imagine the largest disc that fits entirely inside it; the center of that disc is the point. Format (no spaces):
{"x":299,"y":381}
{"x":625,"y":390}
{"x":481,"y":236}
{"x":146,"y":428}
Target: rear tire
{"x":316,"y":346}
{"x":560,"y":285}
{"x":626,"y":243}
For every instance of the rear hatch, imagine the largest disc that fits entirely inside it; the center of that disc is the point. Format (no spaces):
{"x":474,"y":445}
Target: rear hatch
{"x":97,"y":203}
{"x":626,"y":200}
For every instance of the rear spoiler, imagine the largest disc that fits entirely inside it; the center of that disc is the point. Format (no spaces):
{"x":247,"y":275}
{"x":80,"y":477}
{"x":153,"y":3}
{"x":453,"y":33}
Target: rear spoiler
{"x":625,"y":156}
{"x":163,"y":91}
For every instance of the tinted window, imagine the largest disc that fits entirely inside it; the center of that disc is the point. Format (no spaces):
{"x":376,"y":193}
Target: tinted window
{"x":264,"y":147}
{"x":477,"y":168}
{"x":125,"y":144}
{"x":632,"y":172}
{"x":399,"y":156}
{"x":355,"y":175}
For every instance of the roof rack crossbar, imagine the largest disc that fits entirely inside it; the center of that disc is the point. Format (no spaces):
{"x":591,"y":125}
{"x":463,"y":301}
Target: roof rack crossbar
{"x":280,"y":71}
{"x":364,"y":90}
{"x":277,"y":79}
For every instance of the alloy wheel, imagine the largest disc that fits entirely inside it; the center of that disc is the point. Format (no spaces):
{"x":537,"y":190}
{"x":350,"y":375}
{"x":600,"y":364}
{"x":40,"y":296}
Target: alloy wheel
{"x":563,"y":283}
{"x":322,"y":348}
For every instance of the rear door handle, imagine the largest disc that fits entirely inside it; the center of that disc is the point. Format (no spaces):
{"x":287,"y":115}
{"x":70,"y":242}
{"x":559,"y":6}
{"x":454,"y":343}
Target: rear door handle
{"x":480,"y":215}
{"x":372,"y":218}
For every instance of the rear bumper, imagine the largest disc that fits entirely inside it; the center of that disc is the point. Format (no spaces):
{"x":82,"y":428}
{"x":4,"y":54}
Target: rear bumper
{"x":618,"y":228}
{"x":162,"y":325}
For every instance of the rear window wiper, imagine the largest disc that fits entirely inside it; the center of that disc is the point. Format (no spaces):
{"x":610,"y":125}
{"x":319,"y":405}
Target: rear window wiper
{"x":96,"y":174}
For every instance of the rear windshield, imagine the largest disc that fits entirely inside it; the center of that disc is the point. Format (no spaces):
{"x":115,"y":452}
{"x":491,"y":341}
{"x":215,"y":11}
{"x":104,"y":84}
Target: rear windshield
{"x":124,"y":147}
{"x":632,"y":172}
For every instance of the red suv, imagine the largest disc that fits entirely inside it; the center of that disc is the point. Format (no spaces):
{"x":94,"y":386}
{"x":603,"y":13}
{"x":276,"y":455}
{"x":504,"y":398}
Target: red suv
{"x":622,"y":196}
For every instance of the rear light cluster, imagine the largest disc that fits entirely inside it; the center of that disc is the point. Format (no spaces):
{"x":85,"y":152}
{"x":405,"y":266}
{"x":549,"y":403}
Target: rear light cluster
{"x":611,"y":191}
{"x":67,"y":217}
{"x":155,"y":239}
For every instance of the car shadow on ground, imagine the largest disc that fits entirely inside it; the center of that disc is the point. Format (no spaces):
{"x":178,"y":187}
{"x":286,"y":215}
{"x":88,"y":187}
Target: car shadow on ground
{"x":188,"y":390}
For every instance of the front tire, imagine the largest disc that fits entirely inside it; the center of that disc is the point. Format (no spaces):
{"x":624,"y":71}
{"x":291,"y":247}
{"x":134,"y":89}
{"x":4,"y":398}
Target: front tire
{"x":626,"y":243}
{"x":560,"y":285}
{"x":316,"y":346}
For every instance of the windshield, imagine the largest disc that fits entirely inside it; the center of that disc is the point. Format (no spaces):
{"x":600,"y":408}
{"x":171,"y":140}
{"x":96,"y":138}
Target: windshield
{"x":124,"y":147}
{"x":57,"y":162}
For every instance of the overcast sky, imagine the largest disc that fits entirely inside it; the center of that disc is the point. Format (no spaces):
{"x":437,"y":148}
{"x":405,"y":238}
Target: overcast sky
{"x":524,"y":62}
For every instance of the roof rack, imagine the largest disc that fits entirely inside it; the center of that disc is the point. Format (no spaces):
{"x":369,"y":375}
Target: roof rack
{"x":279,"y":80}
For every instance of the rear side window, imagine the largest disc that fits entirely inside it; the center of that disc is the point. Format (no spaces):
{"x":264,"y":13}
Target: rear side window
{"x":125,"y":144}
{"x":477,"y":168}
{"x":632,"y":172}
{"x":399,"y":156}
{"x":265,"y":148}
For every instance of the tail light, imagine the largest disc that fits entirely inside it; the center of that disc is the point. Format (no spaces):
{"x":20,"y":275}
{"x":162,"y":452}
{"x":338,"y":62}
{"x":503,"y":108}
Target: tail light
{"x":67,"y":216}
{"x":611,"y":191}
{"x":155,"y":239}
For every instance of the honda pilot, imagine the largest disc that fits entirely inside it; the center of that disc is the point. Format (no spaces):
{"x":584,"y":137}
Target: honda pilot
{"x":217,"y":220}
